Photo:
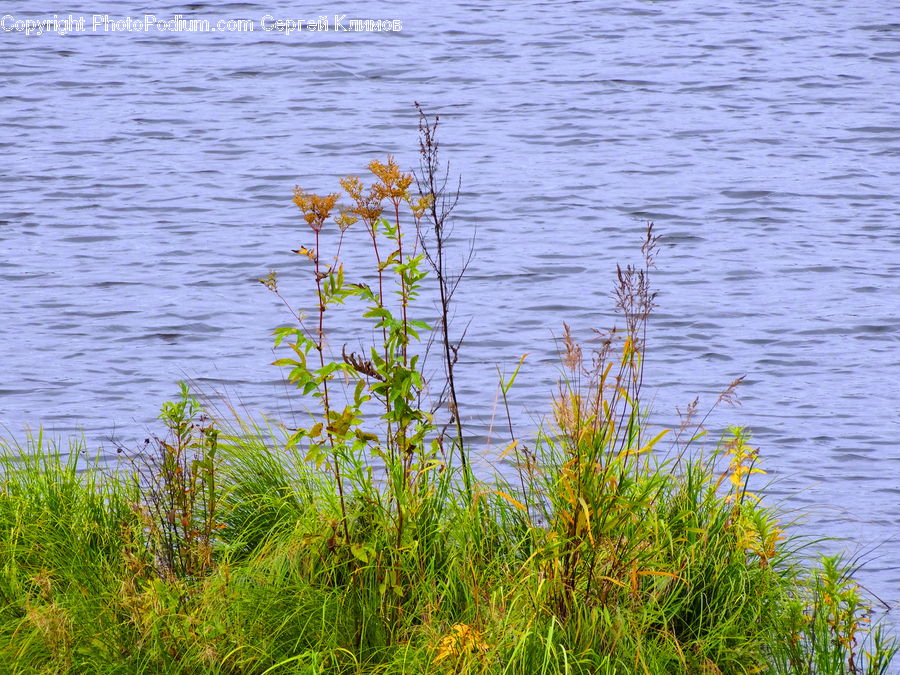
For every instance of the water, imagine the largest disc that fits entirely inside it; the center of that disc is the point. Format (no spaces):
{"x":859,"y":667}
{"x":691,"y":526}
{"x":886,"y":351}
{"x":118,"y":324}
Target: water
{"x":146,"y":185}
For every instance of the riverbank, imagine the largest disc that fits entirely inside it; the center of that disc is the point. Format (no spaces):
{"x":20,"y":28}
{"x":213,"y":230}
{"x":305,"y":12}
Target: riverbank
{"x":235,"y":557}
{"x":361,"y":540}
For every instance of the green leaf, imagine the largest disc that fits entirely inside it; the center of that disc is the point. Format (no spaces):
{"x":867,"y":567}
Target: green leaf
{"x":316,"y":455}
{"x":363,"y":553}
{"x":283,"y":332}
{"x":379,"y":312}
{"x":506,"y":386}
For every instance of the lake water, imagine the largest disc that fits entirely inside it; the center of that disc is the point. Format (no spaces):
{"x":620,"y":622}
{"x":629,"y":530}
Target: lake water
{"x":146,"y":185}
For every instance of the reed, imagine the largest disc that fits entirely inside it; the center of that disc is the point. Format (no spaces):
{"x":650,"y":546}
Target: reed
{"x":361,"y":541}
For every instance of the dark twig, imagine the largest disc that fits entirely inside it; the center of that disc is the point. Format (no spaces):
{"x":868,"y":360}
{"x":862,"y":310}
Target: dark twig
{"x":432,"y":181}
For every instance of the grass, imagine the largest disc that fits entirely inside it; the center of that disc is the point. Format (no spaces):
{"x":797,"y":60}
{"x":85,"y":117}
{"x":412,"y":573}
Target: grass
{"x":362,"y":542}
{"x":651,"y":569}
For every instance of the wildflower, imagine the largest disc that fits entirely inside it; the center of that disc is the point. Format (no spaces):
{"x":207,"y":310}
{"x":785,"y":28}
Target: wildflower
{"x":270,"y":281}
{"x":394,"y":185}
{"x":421,"y":205}
{"x":742,"y":464}
{"x":367,"y":206}
{"x":345,"y":218}
{"x":757,"y":534}
{"x":315,"y":209}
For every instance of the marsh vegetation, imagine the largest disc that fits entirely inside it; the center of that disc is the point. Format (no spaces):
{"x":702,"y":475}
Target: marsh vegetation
{"x":363,"y":541}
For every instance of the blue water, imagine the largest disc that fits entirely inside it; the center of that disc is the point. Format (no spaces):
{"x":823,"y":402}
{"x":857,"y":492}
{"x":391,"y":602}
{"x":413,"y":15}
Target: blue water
{"x":146,"y":182}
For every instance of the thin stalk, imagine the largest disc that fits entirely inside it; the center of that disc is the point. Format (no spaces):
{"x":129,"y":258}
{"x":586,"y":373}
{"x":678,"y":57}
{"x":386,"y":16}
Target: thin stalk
{"x":438,"y":211}
{"x":321,"y":349}
{"x":404,"y":302}
{"x":380,"y":270}
{"x":512,"y":436}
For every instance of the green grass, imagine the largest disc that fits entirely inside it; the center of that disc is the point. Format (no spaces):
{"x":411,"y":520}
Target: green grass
{"x":655,"y":568}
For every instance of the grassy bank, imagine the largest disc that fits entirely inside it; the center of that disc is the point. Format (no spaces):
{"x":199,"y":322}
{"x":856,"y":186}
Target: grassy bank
{"x":363,"y":542}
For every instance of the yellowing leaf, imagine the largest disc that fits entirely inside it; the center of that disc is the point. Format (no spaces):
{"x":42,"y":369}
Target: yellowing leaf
{"x":309,"y":253}
{"x":512,"y":500}
{"x":587,"y":519}
{"x":655,"y":440}
{"x":509,"y":448}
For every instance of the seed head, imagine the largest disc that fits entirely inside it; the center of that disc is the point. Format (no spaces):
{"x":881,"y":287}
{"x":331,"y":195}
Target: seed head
{"x":394,"y":184}
{"x":315,"y":209}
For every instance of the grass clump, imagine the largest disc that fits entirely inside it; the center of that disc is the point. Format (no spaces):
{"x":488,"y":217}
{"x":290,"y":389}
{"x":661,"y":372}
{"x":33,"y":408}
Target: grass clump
{"x":362,"y":541}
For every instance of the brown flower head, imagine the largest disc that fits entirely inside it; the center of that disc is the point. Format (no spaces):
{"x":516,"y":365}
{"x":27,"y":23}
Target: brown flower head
{"x":345,"y":218}
{"x":353,"y":186}
{"x":420,"y":205}
{"x":315,"y":209}
{"x":367,"y":206}
{"x":394,"y":185}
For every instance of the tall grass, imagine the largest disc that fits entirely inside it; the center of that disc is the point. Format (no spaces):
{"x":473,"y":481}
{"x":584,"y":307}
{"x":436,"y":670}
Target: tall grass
{"x":362,"y":541}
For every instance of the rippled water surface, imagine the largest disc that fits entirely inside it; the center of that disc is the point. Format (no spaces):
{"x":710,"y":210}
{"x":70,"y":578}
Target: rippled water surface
{"x":146,"y":183}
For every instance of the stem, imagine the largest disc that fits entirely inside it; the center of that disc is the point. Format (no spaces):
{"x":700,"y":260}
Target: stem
{"x":445,"y":334}
{"x":438,"y":212}
{"x":327,"y":405}
{"x":404,"y":297}
{"x":380,"y":269}
{"x":404,"y":302}
{"x":512,"y":436}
